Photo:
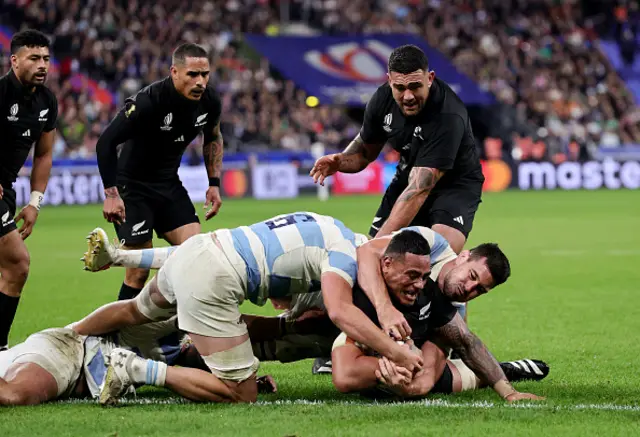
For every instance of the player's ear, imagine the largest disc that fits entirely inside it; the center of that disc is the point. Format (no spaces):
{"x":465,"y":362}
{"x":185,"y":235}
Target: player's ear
{"x":463,"y":257}
{"x":430,"y":77}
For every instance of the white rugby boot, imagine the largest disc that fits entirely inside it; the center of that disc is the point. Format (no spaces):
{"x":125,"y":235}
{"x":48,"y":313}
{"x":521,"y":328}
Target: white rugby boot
{"x":100,"y":254}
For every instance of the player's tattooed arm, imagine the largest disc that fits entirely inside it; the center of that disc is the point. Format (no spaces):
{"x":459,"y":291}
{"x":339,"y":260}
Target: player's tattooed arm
{"x":474,"y":354}
{"x":358,"y":155}
{"x":421,"y":182}
{"x":212,"y":150}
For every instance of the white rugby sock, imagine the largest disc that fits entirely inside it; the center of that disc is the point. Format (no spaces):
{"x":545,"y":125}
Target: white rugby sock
{"x":147,"y":372}
{"x":144,"y":258}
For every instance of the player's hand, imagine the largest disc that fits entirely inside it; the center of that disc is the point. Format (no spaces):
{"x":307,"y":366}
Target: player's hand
{"x":408,"y":359}
{"x":113,"y":209}
{"x":29,"y":214}
{"x":392,"y":375}
{"x":266,"y":384}
{"x":212,"y":198}
{"x":517,"y":396}
{"x":325,"y":167}
{"x":394,"y":323}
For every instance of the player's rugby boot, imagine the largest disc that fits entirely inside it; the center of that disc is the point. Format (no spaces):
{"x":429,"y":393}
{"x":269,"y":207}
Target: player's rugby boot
{"x":117,"y":381}
{"x":100,"y":253}
{"x":525,"y":369}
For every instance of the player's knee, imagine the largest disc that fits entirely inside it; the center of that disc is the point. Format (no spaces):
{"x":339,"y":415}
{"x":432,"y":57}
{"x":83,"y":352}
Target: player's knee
{"x":136,"y":278}
{"x":17,"y":270}
{"x":343,"y":379}
{"x":10,"y":396}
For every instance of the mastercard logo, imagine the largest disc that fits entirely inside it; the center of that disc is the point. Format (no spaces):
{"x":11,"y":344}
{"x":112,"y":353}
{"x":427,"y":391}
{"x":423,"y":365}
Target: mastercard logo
{"x":497,"y":175}
{"x":234,"y":183}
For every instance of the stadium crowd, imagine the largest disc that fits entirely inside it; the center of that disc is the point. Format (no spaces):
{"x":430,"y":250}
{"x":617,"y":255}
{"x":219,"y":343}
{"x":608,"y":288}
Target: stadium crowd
{"x":543,"y":63}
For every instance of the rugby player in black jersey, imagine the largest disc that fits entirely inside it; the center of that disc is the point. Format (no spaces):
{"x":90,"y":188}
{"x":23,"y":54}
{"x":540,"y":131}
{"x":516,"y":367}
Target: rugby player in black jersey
{"x":28,"y":115}
{"x":142,"y":187}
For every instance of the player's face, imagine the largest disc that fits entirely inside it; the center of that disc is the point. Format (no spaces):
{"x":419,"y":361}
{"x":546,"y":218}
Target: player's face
{"x":468,"y":279}
{"x":31,"y":65}
{"x":406,"y":276}
{"x":410,"y":91}
{"x":191,"y":78}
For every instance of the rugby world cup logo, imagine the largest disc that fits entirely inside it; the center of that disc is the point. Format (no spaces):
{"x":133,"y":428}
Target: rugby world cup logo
{"x":13,"y":111}
{"x":355,"y":61}
{"x":167,"y":122}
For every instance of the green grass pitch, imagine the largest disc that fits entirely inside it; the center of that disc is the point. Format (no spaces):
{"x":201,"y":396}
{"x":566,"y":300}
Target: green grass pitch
{"x":572,"y":300}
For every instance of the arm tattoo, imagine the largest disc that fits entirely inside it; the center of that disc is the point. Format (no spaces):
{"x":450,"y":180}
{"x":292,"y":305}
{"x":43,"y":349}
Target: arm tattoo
{"x":212,"y":152}
{"x":421,"y":180}
{"x":472,"y":351}
{"x":357,"y":146}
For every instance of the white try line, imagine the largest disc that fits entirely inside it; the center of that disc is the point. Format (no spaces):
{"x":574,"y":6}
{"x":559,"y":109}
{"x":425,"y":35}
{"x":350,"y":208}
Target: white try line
{"x":430,"y":403}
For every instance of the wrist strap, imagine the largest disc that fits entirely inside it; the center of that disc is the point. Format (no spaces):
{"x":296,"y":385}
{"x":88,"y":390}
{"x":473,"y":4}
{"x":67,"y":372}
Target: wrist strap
{"x":36,"y":199}
{"x":214,"y":182}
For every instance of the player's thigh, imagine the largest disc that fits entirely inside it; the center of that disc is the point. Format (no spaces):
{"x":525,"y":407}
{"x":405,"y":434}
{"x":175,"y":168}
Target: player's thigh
{"x":12,"y":248}
{"x":434,"y":359}
{"x":59,"y":351}
{"x":176,"y":218}
{"x":137,"y":231}
{"x":28,"y":384}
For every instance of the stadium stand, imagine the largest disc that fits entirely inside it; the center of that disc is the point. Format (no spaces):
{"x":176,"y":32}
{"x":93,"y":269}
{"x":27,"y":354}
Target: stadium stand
{"x":568,"y":98}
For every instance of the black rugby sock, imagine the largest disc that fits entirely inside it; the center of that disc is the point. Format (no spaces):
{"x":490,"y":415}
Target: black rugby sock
{"x":8,"y":308}
{"x":127,"y":292}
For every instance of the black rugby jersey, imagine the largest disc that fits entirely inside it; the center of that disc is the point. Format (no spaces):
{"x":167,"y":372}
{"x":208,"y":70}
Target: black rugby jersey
{"x":439,"y":136}
{"x":24,"y":116}
{"x":156,"y":125}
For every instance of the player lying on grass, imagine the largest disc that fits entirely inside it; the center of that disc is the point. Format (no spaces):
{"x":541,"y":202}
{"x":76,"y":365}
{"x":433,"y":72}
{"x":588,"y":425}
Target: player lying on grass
{"x":287,"y":340}
{"x":210,"y":275}
{"x":58,"y":363}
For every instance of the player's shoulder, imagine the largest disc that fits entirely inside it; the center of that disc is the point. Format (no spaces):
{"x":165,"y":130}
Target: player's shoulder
{"x":382,"y":97}
{"x":452,"y":107}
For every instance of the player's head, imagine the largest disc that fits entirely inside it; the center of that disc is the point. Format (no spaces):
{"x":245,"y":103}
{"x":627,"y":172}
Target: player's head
{"x":406,"y":265}
{"x":190,"y":70}
{"x":410,"y":78}
{"x":30,"y":57}
{"x":475,"y":272}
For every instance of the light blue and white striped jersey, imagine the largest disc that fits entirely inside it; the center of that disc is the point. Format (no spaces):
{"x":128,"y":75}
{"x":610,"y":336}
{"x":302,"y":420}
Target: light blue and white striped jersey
{"x":287,"y":254}
{"x":441,"y":252}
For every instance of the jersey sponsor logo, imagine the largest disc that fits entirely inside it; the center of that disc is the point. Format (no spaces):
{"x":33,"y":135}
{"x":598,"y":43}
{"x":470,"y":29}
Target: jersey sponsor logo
{"x":459,"y":220}
{"x":424,"y":312}
{"x":201,"y":120}
{"x":27,"y":133}
{"x":179,"y":139}
{"x":387,"y":122}
{"x":418,"y":132}
{"x":43,"y":115}
{"x":167,"y":122}
{"x":13,"y":111}
{"x":135,"y":229}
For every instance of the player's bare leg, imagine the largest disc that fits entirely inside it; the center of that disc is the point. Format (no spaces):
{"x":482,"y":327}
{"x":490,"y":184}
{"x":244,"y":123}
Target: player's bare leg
{"x":179,"y":235}
{"x":27,"y":384}
{"x":117,"y":315}
{"x":14,"y":269}
{"x":353,"y":370}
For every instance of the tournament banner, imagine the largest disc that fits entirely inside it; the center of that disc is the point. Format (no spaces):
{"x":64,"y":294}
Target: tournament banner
{"x":348,"y":69}
{"x":368,"y":181}
{"x":81,"y":185}
{"x":591,"y":175}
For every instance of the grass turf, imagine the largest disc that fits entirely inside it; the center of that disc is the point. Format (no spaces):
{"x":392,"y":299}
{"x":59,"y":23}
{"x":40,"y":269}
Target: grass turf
{"x":572,"y":301}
